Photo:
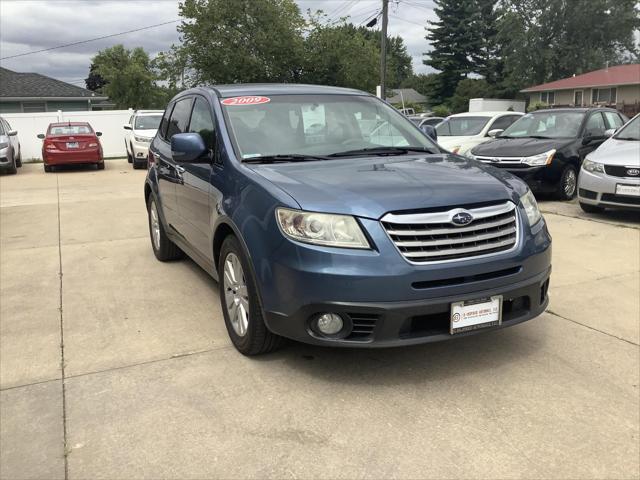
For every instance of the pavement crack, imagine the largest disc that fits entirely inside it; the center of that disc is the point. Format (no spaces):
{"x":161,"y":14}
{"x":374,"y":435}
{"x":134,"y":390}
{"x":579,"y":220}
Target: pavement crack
{"x":62,"y":359}
{"x":592,"y":328}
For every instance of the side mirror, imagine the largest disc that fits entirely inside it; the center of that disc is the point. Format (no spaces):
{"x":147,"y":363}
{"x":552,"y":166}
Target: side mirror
{"x":41,"y":136}
{"x":126,"y":126}
{"x":430,"y":131}
{"x":187,"y":147}
{"x":593,"y":136}
{"x":12,"y":133}
{"x":98,"y":134}
{"x":607,"y":133}
{"x":495,"y":133}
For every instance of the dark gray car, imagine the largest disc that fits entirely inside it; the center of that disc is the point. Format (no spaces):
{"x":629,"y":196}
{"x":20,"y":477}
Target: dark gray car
{"x":10,"y":158}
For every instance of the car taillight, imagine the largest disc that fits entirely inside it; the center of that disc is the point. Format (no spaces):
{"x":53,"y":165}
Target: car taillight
{"x":93,"y":145}
{"x":49,"y":146}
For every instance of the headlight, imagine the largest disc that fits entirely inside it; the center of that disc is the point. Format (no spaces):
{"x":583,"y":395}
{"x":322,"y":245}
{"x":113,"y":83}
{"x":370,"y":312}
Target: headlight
{"x":142,"y":139}
{"x":455,"y":149}
{"x":591,"y":166}
{"x":321,"y":228}
{"x":530,"y":205}
{"x":540,"y":159}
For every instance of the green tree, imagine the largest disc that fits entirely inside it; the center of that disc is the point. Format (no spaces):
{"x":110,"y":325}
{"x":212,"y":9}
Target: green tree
{"x":238,"y":41}
{"x":467,"y":89}
{"x":94,"y":82}
{"x":545,"y":40}
{"x":340,"y":55}
{"x":451,"y":42}
{"x":485,"y":54}
{"x":130,"y":81}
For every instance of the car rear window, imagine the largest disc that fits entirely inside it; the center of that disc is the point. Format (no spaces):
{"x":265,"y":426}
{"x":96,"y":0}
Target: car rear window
{"x":69,"y":129}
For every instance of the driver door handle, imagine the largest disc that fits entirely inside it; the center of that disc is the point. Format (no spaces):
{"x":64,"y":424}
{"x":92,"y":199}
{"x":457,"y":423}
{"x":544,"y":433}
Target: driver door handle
{"x":179,"y":169}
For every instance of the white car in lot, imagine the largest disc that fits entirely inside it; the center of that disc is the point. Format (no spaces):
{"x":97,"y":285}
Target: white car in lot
{"x":138,"y":133}
{"x":610,"y":175}
{"x":461,"y":132}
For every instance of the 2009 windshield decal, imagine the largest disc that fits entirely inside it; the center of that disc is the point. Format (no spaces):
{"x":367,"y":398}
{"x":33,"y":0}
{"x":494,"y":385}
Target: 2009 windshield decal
{"x":245,"y":100}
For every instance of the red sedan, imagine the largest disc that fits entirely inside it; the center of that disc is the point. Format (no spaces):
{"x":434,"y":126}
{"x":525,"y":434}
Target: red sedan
{"x":71,"y":143}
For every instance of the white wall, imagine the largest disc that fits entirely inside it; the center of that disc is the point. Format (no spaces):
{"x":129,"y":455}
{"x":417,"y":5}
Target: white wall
{"x":495,"y":105}
{"x":109,"y":122}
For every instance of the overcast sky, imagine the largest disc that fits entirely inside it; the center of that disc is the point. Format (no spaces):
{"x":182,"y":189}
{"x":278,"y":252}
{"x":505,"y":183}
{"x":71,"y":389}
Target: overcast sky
{"x":28,"y":25}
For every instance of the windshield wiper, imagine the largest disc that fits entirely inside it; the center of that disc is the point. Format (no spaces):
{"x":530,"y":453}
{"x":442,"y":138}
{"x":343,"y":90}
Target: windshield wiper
{"x":284,"y":157}
{"x":631,"y":139}
{"x":538,"y":136}
{"x":382,"y":151}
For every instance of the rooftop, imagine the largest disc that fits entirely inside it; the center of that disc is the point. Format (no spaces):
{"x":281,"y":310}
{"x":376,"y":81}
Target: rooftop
{"x":33,"y":85}
{"x":241,"y":89}
{"x":607,"y":77}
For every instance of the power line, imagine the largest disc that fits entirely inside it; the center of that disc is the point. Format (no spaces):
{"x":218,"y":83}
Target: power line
{"x":90,"y":40}
{"x":408,"y":21}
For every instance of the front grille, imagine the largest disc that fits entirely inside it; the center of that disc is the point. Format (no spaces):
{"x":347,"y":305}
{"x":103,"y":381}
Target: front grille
{"x":622,"y":171}
{"x":609,"y":197}
{"x":432,"y":237}
{"x":363,"y":326}
{"x":503,"y":162}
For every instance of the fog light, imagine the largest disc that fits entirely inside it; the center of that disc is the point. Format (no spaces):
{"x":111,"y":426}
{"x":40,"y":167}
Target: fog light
{"x":329,"y":323}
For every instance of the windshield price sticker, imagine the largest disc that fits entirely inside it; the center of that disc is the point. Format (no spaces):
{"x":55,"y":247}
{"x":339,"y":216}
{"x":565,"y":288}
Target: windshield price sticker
{"x":245,"y":100}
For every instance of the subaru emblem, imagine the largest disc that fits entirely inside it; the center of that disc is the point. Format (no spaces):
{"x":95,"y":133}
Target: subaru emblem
{"x":462,"y":218}
{"x":633,"y":172}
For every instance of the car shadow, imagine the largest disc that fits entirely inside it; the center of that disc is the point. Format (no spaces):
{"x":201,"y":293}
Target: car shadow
{"x":429,"y":362}
{"x":75,"y":168}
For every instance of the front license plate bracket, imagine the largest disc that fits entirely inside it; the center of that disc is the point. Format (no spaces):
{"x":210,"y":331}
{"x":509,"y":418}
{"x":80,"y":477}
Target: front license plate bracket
{"x":475,"y":314}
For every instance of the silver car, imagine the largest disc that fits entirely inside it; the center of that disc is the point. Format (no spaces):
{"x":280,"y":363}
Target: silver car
{"x":10,"y":158}
{"x":610,"y":175}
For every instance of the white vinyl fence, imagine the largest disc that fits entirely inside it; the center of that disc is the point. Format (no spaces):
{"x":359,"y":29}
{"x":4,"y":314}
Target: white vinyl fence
{"x":109,"y":122}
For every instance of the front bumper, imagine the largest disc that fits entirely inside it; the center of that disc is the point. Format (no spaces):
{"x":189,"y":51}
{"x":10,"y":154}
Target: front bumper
{"x":599,"y":189}
{"x":380,"y":324}
{"x":140,"y":151}
{"x":542,"y":179}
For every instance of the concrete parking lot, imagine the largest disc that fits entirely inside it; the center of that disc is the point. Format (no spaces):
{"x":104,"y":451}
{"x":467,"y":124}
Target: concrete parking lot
{"x":114,"y":365}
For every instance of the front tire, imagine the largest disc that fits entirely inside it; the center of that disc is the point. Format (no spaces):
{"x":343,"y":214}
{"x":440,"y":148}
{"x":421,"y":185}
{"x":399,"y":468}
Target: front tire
{"x":591,"y":208}
{"x":568,"y":185}
{"x":163,"y":248}
{"x":240,"y":303}
{"x":14,"y":168}
{"x":129,"y":155}
{"x":19,"y":160}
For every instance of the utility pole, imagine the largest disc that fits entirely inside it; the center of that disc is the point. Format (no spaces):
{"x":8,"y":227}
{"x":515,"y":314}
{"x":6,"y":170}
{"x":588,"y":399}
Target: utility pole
{"x":383,"y":49}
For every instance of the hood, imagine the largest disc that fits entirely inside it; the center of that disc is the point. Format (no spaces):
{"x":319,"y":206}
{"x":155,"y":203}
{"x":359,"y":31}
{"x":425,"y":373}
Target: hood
{"x":520,"y":147}
{"x":617,"y":152}
{"x":450,"y":141}
{"x":146,"y":133}
{"x":372,"y":186}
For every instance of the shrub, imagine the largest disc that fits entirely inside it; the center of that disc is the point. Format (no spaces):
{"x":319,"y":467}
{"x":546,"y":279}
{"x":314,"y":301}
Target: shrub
{"x":537,"y":106}
{"x":441,"y":111}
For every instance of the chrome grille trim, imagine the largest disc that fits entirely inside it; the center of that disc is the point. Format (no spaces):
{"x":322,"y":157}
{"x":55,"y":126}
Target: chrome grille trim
{"x":431,"y":237}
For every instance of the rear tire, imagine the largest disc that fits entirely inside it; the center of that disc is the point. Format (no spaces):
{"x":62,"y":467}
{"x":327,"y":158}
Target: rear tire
{"x":100,"y":165}
{"x":591,"y":208}
{"x":246,"y":329}
{"x":568,"y":185}
{"x":48,"y":168}
{"x":163,"y":248}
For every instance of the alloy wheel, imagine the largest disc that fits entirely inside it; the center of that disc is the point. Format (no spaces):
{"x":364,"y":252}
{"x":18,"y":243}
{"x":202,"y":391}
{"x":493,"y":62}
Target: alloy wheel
{"x":570,"y":182}
{"x":236,"y":294}
{"x":155,"y":225}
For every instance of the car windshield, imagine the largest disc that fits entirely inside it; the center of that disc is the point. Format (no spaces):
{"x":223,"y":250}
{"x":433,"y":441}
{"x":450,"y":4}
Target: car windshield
{"x":69,"y":129}
{"x":319,"y":125}
{"x":631,"y":131}
{"x":546,"y":124}
{"x":148,"y":122}
{"x":461,"y":126}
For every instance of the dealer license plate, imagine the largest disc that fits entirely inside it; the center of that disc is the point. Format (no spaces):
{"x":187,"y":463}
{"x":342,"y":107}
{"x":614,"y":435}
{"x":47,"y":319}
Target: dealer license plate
{"x":474,"y":314}
{"x":72,"y":145}
{"x":631,"y":190}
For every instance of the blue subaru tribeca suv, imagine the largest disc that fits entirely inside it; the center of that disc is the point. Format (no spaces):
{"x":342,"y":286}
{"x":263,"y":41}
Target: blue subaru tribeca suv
{"x":329,"y":218}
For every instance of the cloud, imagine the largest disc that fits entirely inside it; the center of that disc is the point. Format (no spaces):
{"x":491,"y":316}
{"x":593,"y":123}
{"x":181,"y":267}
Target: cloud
{"x":33,"y":25}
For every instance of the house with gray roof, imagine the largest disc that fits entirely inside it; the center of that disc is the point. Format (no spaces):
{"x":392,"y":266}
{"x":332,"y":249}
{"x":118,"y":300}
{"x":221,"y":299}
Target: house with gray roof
{"x":32,"y":92}
{"x":408,"y":95}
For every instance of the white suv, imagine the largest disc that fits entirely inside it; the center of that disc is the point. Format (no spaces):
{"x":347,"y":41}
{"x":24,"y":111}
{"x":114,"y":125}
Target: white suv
{"x":138,"y":133}
{"x":461,"y":132}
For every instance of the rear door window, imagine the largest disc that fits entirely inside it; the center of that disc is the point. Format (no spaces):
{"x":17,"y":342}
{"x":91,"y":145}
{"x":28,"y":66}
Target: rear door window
{"x":179,"y":117}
